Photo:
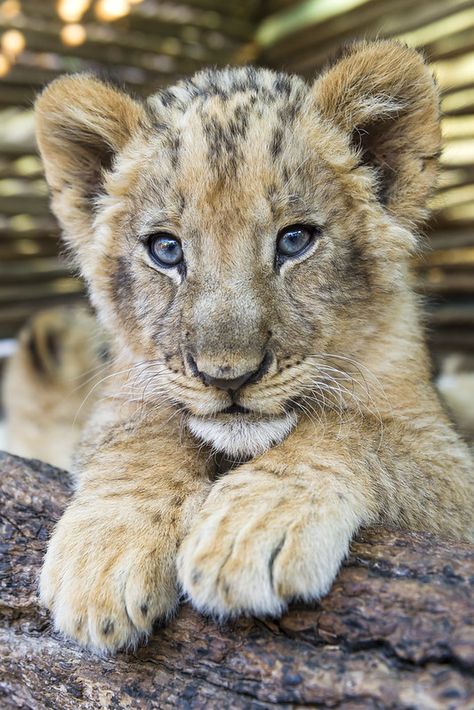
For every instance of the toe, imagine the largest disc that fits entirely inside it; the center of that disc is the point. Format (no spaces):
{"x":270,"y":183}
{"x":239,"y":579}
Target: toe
{"x":150,"y":593}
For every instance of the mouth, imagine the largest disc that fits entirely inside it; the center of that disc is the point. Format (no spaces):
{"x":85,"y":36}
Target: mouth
{"x":235,"y":409}
{"x":238,"y":412}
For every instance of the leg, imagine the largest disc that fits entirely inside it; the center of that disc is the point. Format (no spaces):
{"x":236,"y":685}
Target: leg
{"x":279,"y":527}
{"x":110,"y":569}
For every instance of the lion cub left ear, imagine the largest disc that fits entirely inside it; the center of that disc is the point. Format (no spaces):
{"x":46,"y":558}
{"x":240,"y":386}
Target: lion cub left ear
{"x":81,"y":125}
{"x":383,"y":96}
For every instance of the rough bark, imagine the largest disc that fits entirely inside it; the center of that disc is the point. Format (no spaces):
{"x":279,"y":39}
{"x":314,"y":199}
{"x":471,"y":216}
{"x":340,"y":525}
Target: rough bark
{"x":396,"y":631}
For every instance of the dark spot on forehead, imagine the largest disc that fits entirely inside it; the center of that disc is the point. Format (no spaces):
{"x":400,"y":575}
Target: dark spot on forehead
{"x":160,"y":126}
{"x":167,"y":97}
{"x":282,"y":84}
{"x":174,"y":148}
{"x":225,"y":83}
{"x":192,"y":90}
{"x":224,"y":145}
{"x":225,"y":130}
{"x":242,"y":115}
{"x":276,"y":142}
{"x":288,"y":112}
{"x":214,"y":89}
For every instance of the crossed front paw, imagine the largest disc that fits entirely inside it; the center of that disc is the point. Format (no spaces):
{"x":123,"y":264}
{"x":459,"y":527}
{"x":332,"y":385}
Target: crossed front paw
{"x":260,"y":542}
{"x":107,"y":579}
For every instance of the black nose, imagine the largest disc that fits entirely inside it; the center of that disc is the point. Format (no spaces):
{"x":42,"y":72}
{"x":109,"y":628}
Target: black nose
{"x":235,"y":383}
{"x":223,"y":383}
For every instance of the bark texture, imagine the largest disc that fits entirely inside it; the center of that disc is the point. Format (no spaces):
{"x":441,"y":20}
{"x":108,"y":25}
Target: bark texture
{"x":396,"y":631}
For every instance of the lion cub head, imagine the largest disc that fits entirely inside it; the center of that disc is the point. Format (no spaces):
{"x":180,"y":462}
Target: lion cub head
{"x":243,"y":227}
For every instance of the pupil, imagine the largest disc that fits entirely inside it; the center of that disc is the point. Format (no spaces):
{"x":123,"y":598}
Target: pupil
{"x":295,"y":240}
{"x":169,"y":247}
{"x":167,"y":250}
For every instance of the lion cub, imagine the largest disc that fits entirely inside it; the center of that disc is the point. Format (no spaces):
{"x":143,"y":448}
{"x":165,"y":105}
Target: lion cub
{"x":246,"y":237}
{"x":50,"y":381}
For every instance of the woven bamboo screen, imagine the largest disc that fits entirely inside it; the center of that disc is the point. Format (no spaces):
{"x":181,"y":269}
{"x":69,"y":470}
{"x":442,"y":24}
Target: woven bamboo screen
{"x":300,"y":36}
{"x":153,"y":42}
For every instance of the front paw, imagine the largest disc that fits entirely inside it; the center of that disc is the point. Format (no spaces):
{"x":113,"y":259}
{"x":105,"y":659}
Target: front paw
{"x":260,"y":542}
{"x":107,"y":577}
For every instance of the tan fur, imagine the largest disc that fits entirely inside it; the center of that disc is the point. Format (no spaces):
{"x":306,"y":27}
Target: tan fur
{"x":350,"y":431}
{"x":48,"y":385}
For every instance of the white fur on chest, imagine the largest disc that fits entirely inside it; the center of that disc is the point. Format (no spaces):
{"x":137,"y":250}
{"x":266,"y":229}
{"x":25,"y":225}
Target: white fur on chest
{"x":242,"y":438}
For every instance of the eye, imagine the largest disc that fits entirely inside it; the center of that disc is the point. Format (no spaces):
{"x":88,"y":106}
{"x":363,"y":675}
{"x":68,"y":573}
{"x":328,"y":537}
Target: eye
{"x":294,"y":240}
{"x":165,"y":250}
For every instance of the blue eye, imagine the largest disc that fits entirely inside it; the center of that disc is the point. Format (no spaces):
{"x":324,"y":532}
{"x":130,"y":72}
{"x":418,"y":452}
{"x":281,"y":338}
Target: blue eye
{"x":294,"y":240}
{"x":165,"y":250}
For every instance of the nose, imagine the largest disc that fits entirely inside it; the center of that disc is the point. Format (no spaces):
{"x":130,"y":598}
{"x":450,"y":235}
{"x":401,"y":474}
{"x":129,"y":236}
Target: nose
{"x":232,"y":384}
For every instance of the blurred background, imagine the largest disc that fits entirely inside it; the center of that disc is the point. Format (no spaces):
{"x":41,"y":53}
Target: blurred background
{"x":147,"y":44}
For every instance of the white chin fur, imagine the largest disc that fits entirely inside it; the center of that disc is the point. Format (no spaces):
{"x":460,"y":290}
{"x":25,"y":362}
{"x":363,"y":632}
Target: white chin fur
{"x":239,"y":438}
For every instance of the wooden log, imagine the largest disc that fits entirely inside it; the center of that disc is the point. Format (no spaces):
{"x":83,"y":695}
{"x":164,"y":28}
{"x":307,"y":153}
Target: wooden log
{"x":396,"y":631}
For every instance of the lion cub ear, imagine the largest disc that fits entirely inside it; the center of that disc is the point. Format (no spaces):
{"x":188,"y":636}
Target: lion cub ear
{"x":81,"y":124}
{"x":382,"y":94}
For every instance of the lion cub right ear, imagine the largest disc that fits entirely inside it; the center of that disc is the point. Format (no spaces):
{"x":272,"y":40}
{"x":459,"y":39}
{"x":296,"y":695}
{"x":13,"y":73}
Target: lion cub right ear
{"x":81,"y":124}
{"x":383,"y":97}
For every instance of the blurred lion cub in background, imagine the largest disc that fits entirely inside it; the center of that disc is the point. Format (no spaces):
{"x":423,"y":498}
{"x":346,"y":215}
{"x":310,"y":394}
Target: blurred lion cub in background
{"x":48,"y":384}
{"x":245,"y":237}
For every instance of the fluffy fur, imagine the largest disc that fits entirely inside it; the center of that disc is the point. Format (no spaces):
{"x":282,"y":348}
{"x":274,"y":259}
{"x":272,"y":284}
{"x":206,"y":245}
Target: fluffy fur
{"x":47,"y":388}
{"x":224,"y":161}
{"x":238,"y":437}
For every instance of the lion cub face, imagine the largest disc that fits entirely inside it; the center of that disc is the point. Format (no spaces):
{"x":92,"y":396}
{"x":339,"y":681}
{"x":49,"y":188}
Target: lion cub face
{"x":242,"y":227}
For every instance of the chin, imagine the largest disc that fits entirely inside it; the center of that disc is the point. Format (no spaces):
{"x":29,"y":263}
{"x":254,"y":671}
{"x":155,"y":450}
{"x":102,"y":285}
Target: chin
{"x":242,"y":436}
